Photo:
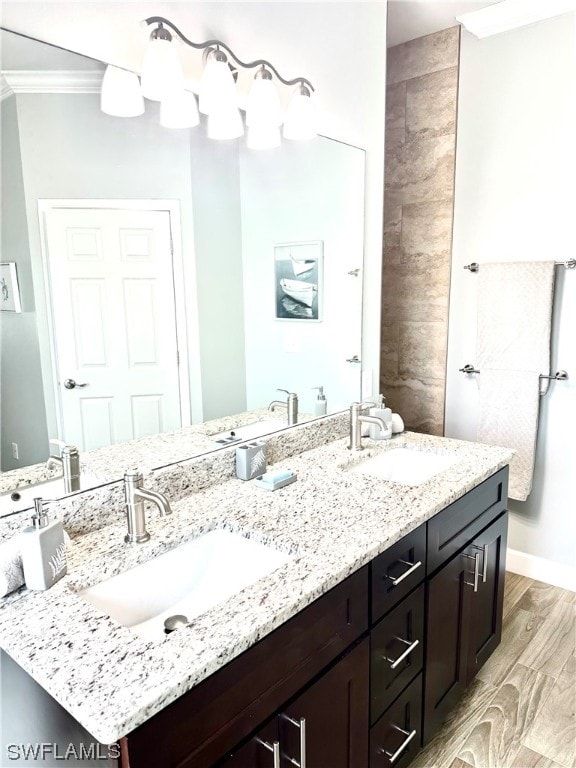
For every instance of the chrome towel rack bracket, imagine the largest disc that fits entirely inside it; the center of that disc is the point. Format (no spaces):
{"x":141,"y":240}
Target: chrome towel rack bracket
{"x":569,"y":264}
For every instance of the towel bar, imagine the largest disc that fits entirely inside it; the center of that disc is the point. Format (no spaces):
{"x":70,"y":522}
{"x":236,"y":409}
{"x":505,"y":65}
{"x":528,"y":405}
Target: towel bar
{"x":569,"y":264}
{"x":558,"y":376}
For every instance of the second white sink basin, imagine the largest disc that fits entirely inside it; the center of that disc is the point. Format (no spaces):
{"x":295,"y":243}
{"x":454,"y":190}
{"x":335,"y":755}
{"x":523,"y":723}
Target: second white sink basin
{"x":407,"y":466}
{"x":187,"y":580}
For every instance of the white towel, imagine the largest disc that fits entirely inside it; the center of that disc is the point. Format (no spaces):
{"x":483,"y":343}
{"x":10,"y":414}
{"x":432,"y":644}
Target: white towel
{"x":513,"y":349}
{"x":11,"y":573}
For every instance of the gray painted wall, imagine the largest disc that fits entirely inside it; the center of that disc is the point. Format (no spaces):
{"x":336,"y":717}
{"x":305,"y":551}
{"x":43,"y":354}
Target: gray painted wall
{"x":298,"y":196}
{"x":515,"y":168}
{"x":218,"y":242}
{"x":22,"y":412}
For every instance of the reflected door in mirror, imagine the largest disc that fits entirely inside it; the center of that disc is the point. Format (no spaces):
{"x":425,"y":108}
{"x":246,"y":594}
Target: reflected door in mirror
{"x":110,"y":275}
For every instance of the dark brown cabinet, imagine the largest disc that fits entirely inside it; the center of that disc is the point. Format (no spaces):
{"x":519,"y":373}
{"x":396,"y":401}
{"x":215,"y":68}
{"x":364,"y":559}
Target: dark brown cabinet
{"x":396,"y":737}
{"x":327,"y":725}
{"x":464,"y":622}
{"x":365,"y":674}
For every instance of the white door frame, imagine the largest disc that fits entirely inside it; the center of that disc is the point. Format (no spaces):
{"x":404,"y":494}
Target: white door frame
{"x":52,"y":392}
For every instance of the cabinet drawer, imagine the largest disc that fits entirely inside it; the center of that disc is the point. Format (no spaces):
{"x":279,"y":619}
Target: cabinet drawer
{"x":397,"y":652}
{"x":397,"y":571}
{"x":453,"y":527}
{"x":214,"y":716}
{"x":400,"y":725}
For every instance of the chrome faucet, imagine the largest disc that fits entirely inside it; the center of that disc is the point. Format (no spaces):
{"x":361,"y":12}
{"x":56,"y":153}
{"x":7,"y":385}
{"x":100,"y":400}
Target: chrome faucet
{"x":69,"y":460}
{"x":136,"y":495}
{"x":356,"y":420}
{"x":291,"y":406}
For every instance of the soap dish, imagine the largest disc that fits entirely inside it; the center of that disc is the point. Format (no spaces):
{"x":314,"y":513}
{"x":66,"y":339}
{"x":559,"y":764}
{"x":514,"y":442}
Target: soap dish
{"x":274,"y":486}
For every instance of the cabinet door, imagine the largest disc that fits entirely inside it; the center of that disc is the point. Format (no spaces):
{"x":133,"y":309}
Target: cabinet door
{"x":335,"y":714}
{"x":395,"y":738}
{"x":397,"y":652}
{"x":485,"y":621}
{"x":258,"y":752}
{"x":446,"y":630}
{"x":464,"y":622}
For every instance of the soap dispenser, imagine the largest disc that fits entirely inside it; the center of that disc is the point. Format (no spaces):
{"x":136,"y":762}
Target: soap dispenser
{"x":43,"y":549}
{"x":320,"y":404}
{"x":385,"y":414}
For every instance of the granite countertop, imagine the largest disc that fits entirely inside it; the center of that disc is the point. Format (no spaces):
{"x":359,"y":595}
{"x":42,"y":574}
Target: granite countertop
{"x":331,"y":521}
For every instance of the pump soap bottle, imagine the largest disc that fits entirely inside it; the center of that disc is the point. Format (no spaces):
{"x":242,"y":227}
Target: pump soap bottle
{"x":43,"y":549}
{"x":385,"y":414}
{"x":320,"y":404}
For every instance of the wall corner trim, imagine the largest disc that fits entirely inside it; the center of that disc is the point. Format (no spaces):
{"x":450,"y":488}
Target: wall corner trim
{"x":558,"y":574}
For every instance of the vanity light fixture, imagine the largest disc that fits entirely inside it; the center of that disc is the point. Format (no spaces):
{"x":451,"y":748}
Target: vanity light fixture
{"x":162,"y":80}
{"x":121,"y":95}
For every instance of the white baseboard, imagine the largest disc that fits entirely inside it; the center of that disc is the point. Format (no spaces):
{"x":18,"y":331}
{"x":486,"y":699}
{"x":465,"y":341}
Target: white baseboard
{"x":558,"y":574}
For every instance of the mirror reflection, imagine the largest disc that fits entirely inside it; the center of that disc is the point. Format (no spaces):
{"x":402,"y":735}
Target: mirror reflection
{"x":149,"y":264}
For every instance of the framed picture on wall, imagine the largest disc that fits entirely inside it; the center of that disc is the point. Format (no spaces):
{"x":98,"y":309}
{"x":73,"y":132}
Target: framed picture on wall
{"x":9,"y":293}
{"x":298,"y":288}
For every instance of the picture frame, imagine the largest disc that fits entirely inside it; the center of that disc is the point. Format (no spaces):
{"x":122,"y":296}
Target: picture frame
{"x":9,"y":291}
{"x":298,"y":281}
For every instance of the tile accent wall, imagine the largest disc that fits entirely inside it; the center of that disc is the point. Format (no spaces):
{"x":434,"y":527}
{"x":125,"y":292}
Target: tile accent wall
{"x":421,"y":102}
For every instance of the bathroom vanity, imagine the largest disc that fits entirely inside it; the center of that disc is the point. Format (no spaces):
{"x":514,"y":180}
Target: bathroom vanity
{"x":351,"y":653}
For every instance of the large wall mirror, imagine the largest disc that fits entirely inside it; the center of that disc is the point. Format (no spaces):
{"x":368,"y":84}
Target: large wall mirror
{"x":182,"y":280}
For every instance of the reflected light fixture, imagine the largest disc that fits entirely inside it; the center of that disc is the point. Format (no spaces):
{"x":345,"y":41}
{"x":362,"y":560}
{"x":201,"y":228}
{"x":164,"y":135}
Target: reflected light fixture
{"x":121,"y":95}
{"x":162,"y":80}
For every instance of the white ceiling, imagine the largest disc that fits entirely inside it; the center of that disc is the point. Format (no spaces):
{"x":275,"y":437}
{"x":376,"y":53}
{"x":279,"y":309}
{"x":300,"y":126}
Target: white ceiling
{"x":408,"y":19}
{"x":106,"y":30}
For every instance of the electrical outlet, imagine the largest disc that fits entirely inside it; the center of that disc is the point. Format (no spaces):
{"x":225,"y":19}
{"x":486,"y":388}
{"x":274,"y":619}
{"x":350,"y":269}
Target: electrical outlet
{"x":15,"y":454}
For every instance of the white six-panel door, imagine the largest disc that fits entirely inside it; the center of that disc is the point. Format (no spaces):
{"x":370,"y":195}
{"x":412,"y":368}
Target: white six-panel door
{"x":112,"y":291}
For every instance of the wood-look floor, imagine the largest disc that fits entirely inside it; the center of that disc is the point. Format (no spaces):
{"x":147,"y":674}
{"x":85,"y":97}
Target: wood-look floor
{"x":520,"y":710}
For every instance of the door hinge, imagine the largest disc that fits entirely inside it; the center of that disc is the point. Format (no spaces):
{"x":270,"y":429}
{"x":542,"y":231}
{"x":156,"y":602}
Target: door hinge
{"x":177,"y":358}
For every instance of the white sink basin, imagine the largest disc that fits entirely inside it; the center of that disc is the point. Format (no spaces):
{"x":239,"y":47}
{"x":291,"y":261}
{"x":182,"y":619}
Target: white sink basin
{"x":187,"y":580}
{"x":249,"y":431}
{"x":407,"y":466}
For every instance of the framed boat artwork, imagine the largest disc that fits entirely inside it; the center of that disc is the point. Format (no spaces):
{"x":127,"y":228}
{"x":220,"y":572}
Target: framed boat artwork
{"x":298,"y":269}
{"x":9,"y":293}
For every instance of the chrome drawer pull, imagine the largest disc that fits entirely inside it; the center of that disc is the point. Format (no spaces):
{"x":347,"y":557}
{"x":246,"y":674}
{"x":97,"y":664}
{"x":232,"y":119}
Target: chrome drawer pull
{"x":402,"y":747}
{"x":412,"y":567}
{"x":407,"y":652}
{"x":274,"y":748}
{"x":476,"y":559}
{"x":483,"y":549}
{"x":301,"y":724}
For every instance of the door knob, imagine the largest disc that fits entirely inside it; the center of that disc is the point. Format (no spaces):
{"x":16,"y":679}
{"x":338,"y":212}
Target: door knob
{"x":71,"y":384}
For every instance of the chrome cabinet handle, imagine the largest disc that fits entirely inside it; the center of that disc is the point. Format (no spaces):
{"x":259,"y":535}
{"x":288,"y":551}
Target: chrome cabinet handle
{"x":354,"y":359}
{"x":274,"y":748}
{"x":394,"y":756}
{"x":301,"y":724}
{"x":71,"y":384}
{"x":484,"y":550}
{"x":476,"y":559}
{"x":394,"y":662}
{"x":411,"y":569}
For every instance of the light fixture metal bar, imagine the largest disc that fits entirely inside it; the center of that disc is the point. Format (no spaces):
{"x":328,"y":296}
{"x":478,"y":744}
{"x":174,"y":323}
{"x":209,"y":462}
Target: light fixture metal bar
{"x":219,"y":43}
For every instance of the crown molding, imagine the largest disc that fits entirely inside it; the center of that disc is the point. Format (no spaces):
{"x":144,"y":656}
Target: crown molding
{"x":49,"y":81}
{"x":510,"y":14}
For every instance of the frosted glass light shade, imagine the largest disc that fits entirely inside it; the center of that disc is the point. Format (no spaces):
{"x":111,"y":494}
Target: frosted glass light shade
{"x":225,"y":124}
{"x":300,"y":120}
{"x":263,"y":137}
{"x":161,"y":70}
{"x":121,"y":95}
{"x":179,"y":110}
{"x":263,"y":104}
{"x":217,"y":89}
